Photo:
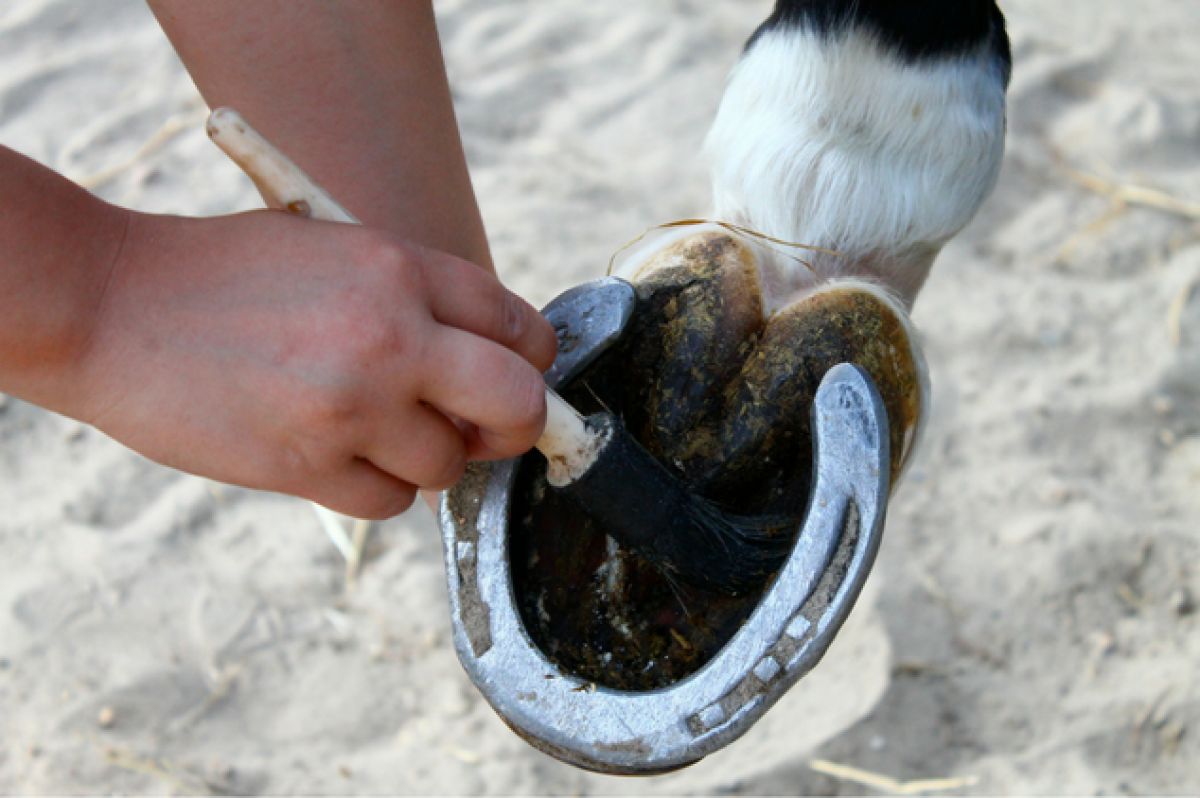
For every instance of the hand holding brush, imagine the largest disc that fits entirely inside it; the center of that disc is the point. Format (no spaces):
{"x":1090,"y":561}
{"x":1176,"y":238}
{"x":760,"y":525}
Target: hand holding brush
{"x":593,"y":461}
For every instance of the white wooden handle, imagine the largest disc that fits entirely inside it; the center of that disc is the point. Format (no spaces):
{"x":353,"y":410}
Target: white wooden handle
{"x":280,"y":180}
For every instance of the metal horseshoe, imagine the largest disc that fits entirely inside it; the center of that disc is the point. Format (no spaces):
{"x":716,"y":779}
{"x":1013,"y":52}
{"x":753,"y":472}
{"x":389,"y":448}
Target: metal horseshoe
{"x":787,"y":633}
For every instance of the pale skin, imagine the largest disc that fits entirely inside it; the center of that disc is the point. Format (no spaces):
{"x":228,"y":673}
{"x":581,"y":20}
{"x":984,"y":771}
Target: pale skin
{"x":348,"y":365}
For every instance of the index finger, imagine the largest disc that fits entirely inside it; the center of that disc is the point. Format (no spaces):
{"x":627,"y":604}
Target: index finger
{"x":488,"y":385}
{"x":462,"y":295}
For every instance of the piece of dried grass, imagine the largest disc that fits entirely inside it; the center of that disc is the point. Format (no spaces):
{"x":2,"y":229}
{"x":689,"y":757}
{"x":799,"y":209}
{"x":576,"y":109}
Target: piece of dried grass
{"x":888,"y":784}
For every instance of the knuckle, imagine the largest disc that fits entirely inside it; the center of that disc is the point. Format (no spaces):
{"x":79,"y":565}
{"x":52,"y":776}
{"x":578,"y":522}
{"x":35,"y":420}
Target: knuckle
{"x":370,"y":336}
{"x":526,"y":410}
{"x":368,"y":326}
{"x":294,"y":468}
{"x":531,"y":404}
{"x":513,"y":314}
{"x":382,"y":249}
{"x":397,"y":263}
{"x":328,"y":409}
{"x":546,"y":345}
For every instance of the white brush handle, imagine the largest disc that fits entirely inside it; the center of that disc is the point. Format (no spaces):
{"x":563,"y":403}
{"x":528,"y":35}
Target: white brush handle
{"x":277,"y":176}
{"x":569,"y":446}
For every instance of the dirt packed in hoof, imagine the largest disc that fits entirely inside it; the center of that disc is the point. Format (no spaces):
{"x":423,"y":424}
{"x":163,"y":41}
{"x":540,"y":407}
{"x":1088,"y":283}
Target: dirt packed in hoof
{"x":723,"y":398}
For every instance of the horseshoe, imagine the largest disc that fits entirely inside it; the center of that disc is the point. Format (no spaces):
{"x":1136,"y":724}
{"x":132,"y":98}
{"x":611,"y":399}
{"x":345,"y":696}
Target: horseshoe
{"x":654,"y":731}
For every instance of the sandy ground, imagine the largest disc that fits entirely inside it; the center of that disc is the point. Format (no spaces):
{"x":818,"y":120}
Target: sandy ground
{"x":1031,"y":625}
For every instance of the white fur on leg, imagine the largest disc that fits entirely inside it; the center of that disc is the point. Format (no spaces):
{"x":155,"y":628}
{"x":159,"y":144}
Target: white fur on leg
{"x":836,"y":142}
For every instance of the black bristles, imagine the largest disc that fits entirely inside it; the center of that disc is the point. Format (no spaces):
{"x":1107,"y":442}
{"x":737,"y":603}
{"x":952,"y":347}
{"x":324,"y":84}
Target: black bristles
{"x":650,"y":511}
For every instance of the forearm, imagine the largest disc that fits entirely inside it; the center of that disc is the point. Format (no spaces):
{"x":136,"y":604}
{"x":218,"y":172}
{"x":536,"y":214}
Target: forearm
{"x":355,"y":92}
{"x":58,"y":244}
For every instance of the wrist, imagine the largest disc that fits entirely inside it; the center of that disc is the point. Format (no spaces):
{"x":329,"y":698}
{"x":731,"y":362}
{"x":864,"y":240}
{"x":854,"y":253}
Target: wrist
{"x":58,"y":246}
{"x":78,"y":379}
{"x":64,"y":379}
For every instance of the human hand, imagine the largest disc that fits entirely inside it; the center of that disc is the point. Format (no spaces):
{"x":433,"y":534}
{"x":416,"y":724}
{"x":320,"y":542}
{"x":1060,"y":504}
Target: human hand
{"x":327,"y":361}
